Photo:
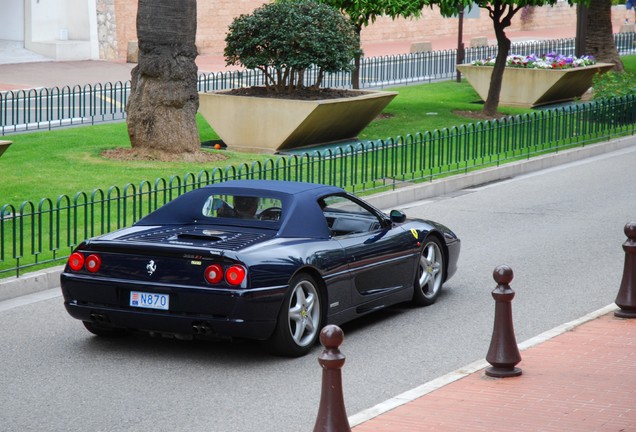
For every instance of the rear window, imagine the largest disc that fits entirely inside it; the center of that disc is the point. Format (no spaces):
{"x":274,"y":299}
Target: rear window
{"x":243,"y":207}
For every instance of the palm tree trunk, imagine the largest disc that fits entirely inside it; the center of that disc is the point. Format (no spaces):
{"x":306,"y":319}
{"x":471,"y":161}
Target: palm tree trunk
{"x":164,"y":101}
{"x":599,"y":38}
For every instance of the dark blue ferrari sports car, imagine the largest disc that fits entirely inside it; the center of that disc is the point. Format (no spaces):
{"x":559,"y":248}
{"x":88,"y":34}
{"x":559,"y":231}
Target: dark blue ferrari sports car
{"x":266,"y":260}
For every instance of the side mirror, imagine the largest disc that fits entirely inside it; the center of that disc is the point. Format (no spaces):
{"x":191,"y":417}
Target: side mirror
{"x":397,"y":216}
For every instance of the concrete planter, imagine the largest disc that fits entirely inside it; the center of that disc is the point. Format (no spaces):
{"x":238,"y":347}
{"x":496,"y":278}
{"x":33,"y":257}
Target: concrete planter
{"x":4,"y":145}
{"x":268,"y":125}
{"x":529,"y":88}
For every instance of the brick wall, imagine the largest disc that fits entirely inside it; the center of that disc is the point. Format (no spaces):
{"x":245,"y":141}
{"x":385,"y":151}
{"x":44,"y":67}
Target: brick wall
{"x":215,"y":17}
{"x":432,"y":23}
{"x":126,"y":13}
{"x":213,"y":21}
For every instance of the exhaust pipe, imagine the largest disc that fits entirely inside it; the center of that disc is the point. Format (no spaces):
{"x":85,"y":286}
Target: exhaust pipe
{"x":201,"y":328}
{"x":97,"y":317}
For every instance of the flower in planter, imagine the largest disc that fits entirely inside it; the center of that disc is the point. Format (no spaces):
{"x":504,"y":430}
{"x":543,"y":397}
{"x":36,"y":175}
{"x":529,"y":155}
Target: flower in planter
{"x":547,"y":61}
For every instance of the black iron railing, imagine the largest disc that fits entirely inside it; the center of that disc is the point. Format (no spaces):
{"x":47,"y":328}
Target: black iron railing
{"x":25,"y":110}
{"x":33,"y":234}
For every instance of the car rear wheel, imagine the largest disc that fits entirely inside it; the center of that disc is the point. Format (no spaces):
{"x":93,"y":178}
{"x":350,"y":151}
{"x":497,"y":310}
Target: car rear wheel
{"x":430,"y":273}
{"x":300,"y":318}
{"x":104,"y":331}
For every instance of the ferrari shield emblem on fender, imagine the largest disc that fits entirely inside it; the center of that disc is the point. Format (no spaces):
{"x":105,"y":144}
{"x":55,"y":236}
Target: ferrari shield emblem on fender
{"x":415,"y":233}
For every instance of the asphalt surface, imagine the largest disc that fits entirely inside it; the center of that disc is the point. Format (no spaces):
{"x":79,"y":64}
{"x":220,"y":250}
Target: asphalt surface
{"x":560,"y":229}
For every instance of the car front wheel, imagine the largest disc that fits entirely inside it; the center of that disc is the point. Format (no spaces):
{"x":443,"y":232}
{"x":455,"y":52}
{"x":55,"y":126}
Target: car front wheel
{"x":430,"y":273}
{"x":300,"y":318}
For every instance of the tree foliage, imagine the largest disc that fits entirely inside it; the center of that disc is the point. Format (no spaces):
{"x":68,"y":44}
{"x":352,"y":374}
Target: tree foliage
{"x":363,"y":12}
{"x":285,"y":38}
{"x":501,"y":12}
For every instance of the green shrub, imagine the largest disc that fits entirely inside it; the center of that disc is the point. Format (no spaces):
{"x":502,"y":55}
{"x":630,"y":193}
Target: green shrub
{"x":614,"y":84}
{"x":286,"y":37}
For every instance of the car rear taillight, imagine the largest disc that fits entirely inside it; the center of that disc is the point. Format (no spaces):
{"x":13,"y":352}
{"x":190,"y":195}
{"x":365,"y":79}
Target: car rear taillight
{"x":76,"y":261}
{"x":214,"y":274}
{"x":93,"y":263}
{"x":235,"y":275}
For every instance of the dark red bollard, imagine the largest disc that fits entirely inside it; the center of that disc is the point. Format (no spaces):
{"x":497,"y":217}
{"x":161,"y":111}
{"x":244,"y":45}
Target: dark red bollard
{"x":503,"y":353}
{"x":332,"y":415}
{"x":626,"y":298}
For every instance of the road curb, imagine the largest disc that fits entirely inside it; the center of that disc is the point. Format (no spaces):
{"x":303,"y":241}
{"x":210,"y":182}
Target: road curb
{"x":30,"y":283}
{"x":405,"y":193}
{"x":46,"y":279}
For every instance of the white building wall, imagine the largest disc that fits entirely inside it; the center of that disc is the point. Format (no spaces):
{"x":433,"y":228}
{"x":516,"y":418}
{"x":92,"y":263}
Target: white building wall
{"x":45,"y":19}
{"x":62,"y":29}
{"x":78,"y":18}
{"x":12,"y":22}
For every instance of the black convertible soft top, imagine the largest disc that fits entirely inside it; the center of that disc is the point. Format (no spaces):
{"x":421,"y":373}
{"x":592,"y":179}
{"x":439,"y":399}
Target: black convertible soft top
{"x":301,"y":215}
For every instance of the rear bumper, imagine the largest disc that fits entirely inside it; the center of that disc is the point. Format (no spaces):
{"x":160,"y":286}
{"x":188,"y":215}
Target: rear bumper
{"x":222,"y":313}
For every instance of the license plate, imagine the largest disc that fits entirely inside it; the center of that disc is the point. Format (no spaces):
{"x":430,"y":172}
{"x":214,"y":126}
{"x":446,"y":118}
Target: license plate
{"x":149,"y":300}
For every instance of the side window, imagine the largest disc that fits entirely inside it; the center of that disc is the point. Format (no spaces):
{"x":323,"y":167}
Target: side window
{"x":345,"y":216}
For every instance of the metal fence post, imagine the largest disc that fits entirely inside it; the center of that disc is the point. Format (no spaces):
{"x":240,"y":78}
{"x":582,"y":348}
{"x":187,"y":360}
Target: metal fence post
{"x":332,"y":415}
{"x":626,"y":298}
{"x":503,"y":353}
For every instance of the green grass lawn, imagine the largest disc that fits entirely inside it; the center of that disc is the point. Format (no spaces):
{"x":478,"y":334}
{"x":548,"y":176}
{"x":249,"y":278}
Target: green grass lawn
{"x":427,"y":107}
{"x":629,"y":62}
{"x":66,"y":161}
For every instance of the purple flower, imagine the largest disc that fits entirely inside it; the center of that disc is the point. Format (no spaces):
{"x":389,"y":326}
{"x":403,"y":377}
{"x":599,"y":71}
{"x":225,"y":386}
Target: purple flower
{"x":547,"y":61}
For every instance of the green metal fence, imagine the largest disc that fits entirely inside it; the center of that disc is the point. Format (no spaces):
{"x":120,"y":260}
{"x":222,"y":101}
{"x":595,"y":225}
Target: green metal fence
{"x":34,"y":234}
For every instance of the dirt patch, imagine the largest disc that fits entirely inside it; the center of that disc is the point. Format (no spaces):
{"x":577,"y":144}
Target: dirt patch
{"x":384,"y":116}
{"x":478,"y":115}
{"x":124,"y":154}
{"x":299,"y":94}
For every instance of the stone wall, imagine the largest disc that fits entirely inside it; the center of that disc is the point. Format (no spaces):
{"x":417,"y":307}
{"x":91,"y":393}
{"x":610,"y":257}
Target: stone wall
{"x":215,"y":17}
{"x":106,"y":29}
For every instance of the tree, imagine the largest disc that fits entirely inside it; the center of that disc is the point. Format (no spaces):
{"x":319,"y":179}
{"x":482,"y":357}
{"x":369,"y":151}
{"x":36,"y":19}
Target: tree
{"x":501,"y":13}
{"x":285,"y":38}
{"x":363,"y":12}
{"x":599,"y":37}
{"x":163,"y":101}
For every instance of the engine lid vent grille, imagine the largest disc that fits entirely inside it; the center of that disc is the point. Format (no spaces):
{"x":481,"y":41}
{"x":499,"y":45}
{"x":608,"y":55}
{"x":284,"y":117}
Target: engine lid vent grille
{"x":217,"y":239}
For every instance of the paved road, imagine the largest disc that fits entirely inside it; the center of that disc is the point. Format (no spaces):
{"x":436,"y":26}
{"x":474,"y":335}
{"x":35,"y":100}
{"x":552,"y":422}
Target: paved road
{"x":560,"y":230}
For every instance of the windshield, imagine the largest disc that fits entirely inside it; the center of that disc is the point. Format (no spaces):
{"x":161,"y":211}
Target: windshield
{"x":243,"y":207}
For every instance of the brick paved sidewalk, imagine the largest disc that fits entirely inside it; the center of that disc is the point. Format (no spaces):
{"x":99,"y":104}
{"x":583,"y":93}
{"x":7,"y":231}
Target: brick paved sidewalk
{"x":581,"y":380}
